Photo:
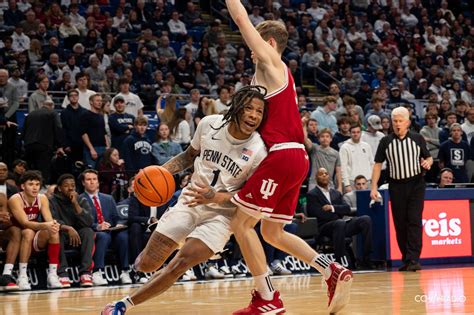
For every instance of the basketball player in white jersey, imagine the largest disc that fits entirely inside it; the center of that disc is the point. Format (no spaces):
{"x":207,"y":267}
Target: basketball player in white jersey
{"x":225,"y":150}
{"x":26,"y":207}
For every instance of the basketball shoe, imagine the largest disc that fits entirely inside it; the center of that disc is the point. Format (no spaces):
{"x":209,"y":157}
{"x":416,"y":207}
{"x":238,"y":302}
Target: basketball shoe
{"x":7,"y":283}
{"x":339,"y":286}
{"x":117,"y":308}
{"x":23,"y":283}
{"x":261,"y":306}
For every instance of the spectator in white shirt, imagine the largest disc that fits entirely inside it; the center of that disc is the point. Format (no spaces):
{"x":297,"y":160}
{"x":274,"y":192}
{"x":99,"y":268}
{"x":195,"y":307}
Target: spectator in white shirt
{"x":133,"y":103}
{"x":177,"y":27}
{"x":82,"y":81}
{"x":20,"y":42}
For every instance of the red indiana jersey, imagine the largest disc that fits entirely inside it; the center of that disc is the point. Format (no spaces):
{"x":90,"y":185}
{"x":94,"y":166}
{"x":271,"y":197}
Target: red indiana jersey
{"x":283,"y":123}
{"x":32,"y":212}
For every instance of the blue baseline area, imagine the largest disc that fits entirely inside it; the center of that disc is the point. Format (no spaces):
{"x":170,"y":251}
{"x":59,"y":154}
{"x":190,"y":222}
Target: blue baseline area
{"x":380,"y":223}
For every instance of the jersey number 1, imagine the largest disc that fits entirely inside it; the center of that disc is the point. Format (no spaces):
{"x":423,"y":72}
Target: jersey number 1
{"x":216,"y":176}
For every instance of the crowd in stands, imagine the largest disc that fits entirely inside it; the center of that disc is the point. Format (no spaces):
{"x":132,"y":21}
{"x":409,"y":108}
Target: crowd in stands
{"x":111,"y":87}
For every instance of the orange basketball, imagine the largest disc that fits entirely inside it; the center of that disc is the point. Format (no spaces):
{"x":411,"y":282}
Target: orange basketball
{"x":154,"y":186}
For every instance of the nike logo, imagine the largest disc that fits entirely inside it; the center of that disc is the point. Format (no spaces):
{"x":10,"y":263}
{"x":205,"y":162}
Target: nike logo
{"x":212,"y":137}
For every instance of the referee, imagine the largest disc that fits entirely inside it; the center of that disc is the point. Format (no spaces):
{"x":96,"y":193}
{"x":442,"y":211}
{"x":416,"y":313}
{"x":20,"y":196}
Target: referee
{"x":407,"y":157}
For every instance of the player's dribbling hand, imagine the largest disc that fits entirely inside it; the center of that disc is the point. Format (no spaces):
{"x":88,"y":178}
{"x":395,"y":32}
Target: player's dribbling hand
{"x":200,"y":194}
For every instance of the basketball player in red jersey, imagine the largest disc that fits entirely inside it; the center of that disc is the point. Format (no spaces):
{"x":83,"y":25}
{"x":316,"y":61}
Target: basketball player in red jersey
{"x":26,"y":207}
{"x":272,"y":192}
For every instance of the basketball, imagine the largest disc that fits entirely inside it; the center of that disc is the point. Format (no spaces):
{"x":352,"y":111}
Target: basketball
{"x":154,"y":186}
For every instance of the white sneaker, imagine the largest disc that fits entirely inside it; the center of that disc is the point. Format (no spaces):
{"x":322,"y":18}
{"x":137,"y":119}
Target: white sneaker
{"x":98,"y":279}
{"x":23,"y":283}
{"x":237,"y":272}
{"x":226,"y":271}
{"x":213,"y":273}
{"x":278,"y":268}
{"x":53,"y":281}
{"x":189,"y":275}
{"x":125,"y":277}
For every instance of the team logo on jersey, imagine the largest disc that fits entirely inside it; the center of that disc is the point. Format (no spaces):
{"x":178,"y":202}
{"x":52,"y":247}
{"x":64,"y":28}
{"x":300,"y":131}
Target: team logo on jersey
{"x":246,"y":154}
{"x":268,"y":188}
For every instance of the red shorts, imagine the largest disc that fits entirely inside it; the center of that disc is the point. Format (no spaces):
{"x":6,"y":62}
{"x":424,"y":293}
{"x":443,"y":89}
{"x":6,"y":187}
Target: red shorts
{"x":272,"y":191}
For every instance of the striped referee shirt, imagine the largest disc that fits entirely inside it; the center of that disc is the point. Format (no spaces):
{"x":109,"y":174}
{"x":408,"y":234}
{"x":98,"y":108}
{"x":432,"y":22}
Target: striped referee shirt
{"x":403,"y":155}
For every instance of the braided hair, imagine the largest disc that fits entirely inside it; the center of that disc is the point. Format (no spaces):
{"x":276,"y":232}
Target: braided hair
{"x":241,"y":98}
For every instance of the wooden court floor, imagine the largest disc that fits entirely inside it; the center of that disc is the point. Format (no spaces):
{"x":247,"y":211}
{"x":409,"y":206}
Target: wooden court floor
{"x":431,"y":291}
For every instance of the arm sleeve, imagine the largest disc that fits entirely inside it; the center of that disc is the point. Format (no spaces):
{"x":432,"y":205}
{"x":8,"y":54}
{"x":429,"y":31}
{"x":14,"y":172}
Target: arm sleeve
{"x":345,"y":167}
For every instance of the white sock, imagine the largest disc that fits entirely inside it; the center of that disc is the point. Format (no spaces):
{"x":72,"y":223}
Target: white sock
{"x":264,"y":286}
{"x":53,"y":268}
{"x":7,"y":269}
{"x":128,"y":302}
{"x":321,"y":263}
{"x":22,"y":267}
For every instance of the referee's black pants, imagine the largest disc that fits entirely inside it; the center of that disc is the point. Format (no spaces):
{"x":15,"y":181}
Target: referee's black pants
{"x":407,"y":200}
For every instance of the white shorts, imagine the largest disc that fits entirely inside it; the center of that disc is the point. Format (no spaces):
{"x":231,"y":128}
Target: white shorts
{"x":210,"y":226}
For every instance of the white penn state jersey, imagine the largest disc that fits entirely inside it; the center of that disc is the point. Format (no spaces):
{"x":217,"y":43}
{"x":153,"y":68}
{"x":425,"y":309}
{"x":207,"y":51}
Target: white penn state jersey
{"x":224,"y":163}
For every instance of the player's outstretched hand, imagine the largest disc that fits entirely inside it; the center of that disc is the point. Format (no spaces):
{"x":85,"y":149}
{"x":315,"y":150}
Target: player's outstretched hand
{"x":200,"y":194}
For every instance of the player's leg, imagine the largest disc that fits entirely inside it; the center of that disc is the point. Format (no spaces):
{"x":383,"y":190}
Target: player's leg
{"x":156,"y":251}
{"x":193,"y":252}
{"x":45,"y":240}
{"x":27,"y":236}
{"x":13,"y":234}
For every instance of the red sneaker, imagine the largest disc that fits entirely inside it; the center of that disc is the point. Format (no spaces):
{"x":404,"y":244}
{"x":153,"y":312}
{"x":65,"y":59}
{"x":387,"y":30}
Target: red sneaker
{"x":339,"y":287}
{"x":261,"y":306}
{"x":86,"y":280}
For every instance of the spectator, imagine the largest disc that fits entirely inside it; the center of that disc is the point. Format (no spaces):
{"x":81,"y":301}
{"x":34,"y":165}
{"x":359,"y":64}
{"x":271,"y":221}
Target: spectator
{"x":377,"y":108}
{"x":360,"y":183}
{"x":180,"y":129}
{"x":177,"y":27}
{"x":325,"y":115}
{"x":105,"y":217}
{"x":93,"y":132}
{"x":312,"y":130}
{"x":120,"y":123}
{"x":74,"y":215}
{"x":37,"y":99}
{"x":372,"y":135}
{"x":444,"y":134}
{"x":164,"y":148}
{"x":18,"y":83}
{"x":386,"y":125}
{"x":446,"y":177}
{"x":20,"y":41}
{"x":9,"y":104}
{"x":430,"y":133}
{"x":19,"y":167}
{"x":70,"y":121}
{"x":137,"y":147}
{"x":468,"y":125}
{"x":133,"y":103}
{"x":460,"y":108}
{"x":343,"y":133}
{"x":323,"y":156}
{"x":110,"y":85}
{"x":5,"y":187}
{"x":82,"y":81}
{"x":454,"y":154}
{"x":43,"y":137}
{"x":192,"y":16}
{"x":356,"y":158}
{"x":94,"y":71}
{"x":329,"y":207}
{"x":112,"y":175}
{"x":222,"y":104}
{"x":12,"y":16}
{"x":349,"y":103}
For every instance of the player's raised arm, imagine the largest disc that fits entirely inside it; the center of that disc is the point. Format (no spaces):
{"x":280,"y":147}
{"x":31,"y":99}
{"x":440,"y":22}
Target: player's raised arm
{"x":262,"y":50}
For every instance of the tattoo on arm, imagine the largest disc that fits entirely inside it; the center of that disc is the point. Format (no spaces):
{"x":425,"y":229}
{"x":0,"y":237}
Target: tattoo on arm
{"x":210,"y":193}
{"x":182,"y":161}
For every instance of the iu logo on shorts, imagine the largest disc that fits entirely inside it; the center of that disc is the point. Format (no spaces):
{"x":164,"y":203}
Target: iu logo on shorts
{"x":268,"y":188}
